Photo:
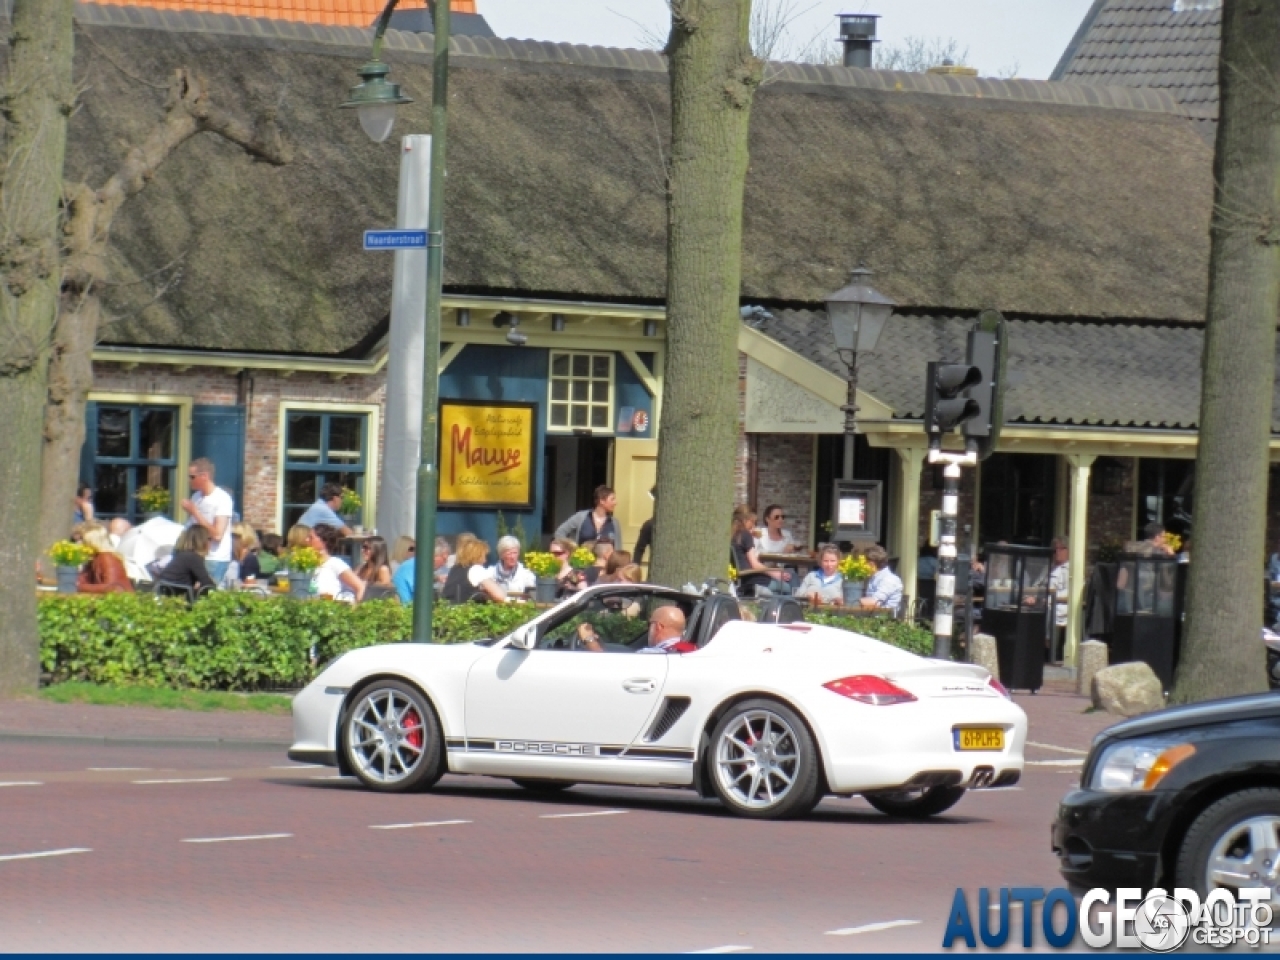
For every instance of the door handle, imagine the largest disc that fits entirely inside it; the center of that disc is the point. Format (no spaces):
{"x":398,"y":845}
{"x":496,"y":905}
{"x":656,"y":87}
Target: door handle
{"x":642,"y":685}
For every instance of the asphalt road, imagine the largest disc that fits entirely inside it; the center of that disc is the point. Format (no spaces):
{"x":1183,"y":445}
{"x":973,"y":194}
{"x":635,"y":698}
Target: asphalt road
{"x":118,"y":847}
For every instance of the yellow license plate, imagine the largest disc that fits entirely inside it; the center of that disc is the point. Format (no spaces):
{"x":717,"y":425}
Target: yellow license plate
{"x":979,"y":738}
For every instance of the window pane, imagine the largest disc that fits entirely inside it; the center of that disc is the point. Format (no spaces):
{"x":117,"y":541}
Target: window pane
{"x":579,"y":416}
{"x":559,"y":389}
{"x":559,"y":364}
{"x":600,"y":391}
{"x":600,"y":368}
{"x":155,"y":433}
{"x":300,"y":487}
{"x":345,"y":438}
{"x":559,"y":415}
{"x":113,"y":432}
{"x":111,"y":489}
{"x":581,"y":391}
{"x":600,"y":417}
{"x":581,"y":364}
{"x":303,"y":437}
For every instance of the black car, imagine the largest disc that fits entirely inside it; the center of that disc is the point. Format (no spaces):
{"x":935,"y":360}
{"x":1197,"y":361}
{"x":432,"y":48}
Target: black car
{"x":1187,"y":797}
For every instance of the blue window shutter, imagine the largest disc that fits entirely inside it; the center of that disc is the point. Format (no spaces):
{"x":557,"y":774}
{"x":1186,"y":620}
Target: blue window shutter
{"x":89,"y":449}
{"x":217,"y":432}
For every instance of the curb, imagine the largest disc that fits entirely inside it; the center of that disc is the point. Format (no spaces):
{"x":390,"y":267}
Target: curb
{"x":202,"y":743}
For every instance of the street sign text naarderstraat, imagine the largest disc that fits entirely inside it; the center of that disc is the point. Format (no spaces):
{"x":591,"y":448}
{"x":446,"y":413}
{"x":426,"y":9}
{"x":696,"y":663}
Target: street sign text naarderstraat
{"x":395,"y":239}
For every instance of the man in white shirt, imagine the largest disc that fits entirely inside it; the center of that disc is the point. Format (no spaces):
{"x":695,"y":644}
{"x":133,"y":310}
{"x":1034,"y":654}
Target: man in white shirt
{"x":509,"y":573}
{"x":1059,"y":583}
{"x":210,"y":507}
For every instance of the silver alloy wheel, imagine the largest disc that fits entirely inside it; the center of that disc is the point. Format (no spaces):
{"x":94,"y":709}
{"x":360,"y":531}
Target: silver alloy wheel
{"x":1247,"y":855}
{"x":757,"y":759}
{"x":387,"y":735}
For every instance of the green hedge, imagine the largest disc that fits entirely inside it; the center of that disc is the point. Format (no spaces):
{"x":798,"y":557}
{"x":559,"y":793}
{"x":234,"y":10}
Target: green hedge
{"x":236,"y":641}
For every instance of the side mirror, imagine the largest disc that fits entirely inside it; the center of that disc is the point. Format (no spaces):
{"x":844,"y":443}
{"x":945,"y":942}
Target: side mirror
{"x":525,"y":638}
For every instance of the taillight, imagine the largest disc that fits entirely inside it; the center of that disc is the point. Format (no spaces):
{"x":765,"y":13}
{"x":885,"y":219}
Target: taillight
{"x":998,"y":687}
{"x":876,"y":691}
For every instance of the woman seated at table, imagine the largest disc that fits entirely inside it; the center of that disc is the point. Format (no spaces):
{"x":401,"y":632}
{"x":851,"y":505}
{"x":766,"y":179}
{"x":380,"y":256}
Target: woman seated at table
{"x":773,"y":539}
{"x":825,"y":584}
{"x":375,"y":570}
{"x":568,"y":580}
{"x":469,"y":578}
{"x":752,"y":574}
{"x":105,"y":573}
{"x":187,"y":567}
{"x":333,"y":578}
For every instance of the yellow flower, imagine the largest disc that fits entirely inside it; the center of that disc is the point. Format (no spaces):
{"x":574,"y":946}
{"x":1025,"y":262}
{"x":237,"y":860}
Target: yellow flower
{"x":856,"y":567}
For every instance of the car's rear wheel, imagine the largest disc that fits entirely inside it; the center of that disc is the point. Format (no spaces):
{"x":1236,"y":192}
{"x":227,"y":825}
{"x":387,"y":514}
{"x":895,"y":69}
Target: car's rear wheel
{"x":763,"y":762}
{"x":1234,"y":843}
{"x":541,"y":786}
{"x":915,"y":804}
{"x":391,"y":738}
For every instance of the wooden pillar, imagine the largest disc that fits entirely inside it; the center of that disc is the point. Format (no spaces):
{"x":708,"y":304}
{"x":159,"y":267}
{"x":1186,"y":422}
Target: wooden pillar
{"x":1080,"y":465}
{"x":910,"y":461}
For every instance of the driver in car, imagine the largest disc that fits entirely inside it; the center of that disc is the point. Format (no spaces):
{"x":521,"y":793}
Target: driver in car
{"x":666,"y":633}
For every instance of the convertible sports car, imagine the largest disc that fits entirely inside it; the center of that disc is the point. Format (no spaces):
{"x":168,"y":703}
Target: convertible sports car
{"x":767,"y":716}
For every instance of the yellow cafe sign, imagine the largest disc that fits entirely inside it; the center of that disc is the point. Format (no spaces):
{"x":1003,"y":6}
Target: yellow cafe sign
{"x":486,"y":453}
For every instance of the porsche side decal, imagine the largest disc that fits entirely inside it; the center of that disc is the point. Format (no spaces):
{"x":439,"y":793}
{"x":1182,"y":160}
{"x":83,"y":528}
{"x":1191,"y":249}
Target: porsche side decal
{"x":541,"y":749}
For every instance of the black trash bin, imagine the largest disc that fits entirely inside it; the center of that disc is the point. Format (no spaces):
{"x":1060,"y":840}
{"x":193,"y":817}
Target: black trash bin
{"x":1018,"y":611}
{"x":1150,"y":592}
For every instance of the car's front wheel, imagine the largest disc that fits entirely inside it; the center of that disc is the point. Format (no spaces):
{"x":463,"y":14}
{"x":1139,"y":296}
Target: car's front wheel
{"x":763,"y":762}
{"x":1234,"y":843}
{"x":391,"y":738}
{"x":915,"y":804}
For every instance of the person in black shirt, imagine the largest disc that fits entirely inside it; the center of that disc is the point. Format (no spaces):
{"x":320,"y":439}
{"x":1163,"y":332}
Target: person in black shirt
{"x":186,"y":568}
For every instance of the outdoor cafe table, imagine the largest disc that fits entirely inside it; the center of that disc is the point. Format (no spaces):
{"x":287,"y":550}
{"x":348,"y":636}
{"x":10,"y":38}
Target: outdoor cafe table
{"x":803,"y":560}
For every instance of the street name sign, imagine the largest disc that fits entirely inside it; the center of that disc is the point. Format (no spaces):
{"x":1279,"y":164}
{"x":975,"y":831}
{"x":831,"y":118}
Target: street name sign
{"x":395,"y":239}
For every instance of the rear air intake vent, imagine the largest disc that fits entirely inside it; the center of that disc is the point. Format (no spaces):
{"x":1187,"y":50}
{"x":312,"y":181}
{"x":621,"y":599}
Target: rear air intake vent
{"x":673,"y":711}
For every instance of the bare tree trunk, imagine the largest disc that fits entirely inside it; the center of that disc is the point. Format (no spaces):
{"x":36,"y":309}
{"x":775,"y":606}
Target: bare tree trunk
{"x":36,"y":101}
{"x":713,"y":81}
{"x":87,"y":233}
{"x":1222,"y":654}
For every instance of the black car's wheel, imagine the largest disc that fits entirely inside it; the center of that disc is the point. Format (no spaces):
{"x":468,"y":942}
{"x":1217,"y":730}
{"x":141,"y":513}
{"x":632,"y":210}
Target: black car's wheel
{"x":391,"y":738}
{"x":763,"y":762}
{"x":541,"y":786}
{"x":1234,"y":843}
{"x":916,"y":804}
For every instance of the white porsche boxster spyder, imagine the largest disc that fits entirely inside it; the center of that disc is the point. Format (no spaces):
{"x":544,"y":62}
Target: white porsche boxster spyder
{"x":767,"y":716}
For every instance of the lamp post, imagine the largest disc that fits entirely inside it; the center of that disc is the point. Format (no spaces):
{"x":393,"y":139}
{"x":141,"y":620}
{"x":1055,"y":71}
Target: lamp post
{"x":858,"y":313}
{"x":375,"y":100}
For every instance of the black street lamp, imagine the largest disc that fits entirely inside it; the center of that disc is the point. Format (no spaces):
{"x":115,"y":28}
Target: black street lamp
{"x":375,"y":100}
{"x":858,"y":313}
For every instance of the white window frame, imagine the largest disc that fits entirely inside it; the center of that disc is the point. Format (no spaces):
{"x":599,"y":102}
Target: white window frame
{"x":611,"y":412}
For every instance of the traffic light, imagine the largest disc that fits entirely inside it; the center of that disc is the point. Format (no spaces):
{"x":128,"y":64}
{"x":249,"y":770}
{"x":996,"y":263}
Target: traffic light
{"x":988,"y":342}
{"x":945,"y":404}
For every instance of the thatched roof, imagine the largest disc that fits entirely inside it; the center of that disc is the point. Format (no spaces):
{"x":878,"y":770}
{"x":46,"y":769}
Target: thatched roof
{"x":1043,"y":199}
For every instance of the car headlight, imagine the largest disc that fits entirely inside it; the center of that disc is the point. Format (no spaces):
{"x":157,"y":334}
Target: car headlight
{"x":1138,"y":764}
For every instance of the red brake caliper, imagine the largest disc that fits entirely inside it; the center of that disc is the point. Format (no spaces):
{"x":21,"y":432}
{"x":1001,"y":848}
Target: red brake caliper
{"x":413,"y":728}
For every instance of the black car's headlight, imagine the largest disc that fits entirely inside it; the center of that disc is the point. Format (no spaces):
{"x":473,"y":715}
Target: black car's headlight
{"x":1132,"y":765}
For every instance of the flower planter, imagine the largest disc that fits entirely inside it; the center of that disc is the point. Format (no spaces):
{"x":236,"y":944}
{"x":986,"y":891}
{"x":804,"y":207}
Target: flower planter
{"x":853,"y":591}
{"x":67,"y":579}
{"x":545,"y":592}
{"x":300,"y":584}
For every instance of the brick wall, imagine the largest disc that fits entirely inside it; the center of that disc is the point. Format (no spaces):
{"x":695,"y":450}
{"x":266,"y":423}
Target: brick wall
{"x":784,"y":475}
{"x":264,"y":392}
{"x":742,"y":460}
{"x":1111,"y":514}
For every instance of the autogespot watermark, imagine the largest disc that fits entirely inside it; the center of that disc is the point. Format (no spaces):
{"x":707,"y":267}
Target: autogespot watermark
{"x":1153,"y":920}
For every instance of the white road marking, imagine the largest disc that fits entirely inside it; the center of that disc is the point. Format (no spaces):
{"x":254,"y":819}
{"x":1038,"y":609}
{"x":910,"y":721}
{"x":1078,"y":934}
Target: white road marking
{"x":731,"y":948}
{"x":1054,"y":763}
{"x":593,"y":813}
{"x":998,"y":789}
{"x":260,"y":836}
{"x":45,"y":853}
{"x":1051,"y":746}
{"x":299,"y":766}
{"x":872,"y":927}
{"x":110,"y":769}
{"x":335,"y":776}
{"x":22,"y":783}
{"x":189,"y":780}
{"x":407,"y":826}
